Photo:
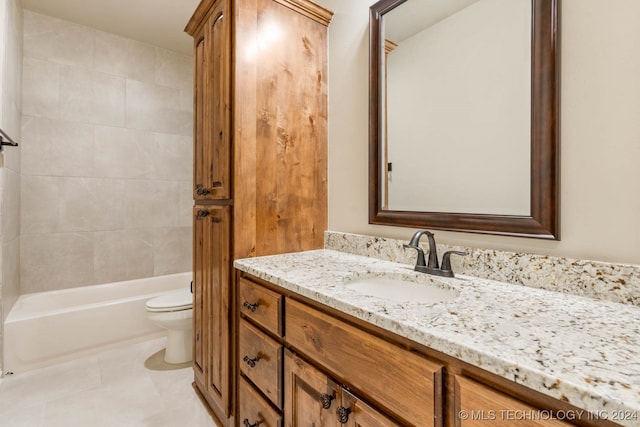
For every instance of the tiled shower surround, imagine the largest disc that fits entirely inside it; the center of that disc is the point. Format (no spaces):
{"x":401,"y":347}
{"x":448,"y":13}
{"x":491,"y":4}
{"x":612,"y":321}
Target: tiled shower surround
{"x":106,"y":157}
{"x":10,"y":111}
{"x":598,"y":280}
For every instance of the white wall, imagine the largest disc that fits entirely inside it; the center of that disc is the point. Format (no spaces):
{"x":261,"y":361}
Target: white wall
{"x":600,"y":133}
{"x":106,"y":157}
{"x":458,"y":104}
{"x":10,"y":112}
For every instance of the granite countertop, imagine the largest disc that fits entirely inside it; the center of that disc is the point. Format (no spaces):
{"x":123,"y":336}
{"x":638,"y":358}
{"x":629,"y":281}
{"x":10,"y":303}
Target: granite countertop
{"x":569,"y":347}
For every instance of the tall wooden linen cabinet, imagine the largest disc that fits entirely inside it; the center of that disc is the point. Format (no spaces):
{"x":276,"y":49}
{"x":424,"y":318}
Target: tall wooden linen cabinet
{"x":260,"y":159}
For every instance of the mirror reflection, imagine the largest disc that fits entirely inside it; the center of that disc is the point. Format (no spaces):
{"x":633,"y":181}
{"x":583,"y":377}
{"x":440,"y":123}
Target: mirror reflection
{"x":458,"y":106}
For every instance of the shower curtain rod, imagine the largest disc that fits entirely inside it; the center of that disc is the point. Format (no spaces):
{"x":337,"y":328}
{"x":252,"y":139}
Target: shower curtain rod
{"x":10,"y":142}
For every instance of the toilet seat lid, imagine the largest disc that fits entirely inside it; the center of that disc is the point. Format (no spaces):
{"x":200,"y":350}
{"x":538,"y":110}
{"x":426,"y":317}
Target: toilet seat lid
{"x":171,"y":301}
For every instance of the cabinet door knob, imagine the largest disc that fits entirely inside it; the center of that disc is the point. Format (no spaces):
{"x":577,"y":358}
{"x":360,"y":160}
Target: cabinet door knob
{"x":326,"y":399}
{"x":248,"y":424}
{"x":201,"y":191}
{"x":343,"y":414}
{"x":252,"y":307}
{"x":251,"y":362}
{"x":202,"y":214}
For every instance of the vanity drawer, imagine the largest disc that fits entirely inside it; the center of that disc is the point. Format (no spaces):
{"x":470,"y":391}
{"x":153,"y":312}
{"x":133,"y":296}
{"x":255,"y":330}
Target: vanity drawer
{"x":485,"y":406}
{"x":402,"y":382}
{"x":253,"y":410}
{"x":261,"y":305}
{"x":260,"y":359}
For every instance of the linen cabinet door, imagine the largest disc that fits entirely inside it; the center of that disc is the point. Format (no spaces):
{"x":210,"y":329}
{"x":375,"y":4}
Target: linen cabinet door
{"x":212,"y":93}
{"x":211,"y":303}
{"x":311,"y":398}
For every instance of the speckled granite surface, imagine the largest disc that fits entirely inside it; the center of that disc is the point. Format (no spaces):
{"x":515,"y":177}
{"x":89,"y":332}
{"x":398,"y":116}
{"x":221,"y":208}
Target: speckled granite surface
{"x":599,"y":280}
{"x":569,"y":347}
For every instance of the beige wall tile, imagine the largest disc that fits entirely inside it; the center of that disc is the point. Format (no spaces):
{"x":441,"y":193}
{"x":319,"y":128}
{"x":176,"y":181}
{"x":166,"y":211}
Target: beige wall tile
{"x":124,"y":153}
{"x":56,"y":147}
{"x":10,"y":267}
{"x":37,"y":146}
{"x":124,"y":57}
{"x":123,"y":255}
{"x":109,"y":204}
{"x":10,"y":218}
{"x":173,"y":69}
{"x":185,"y":215}
{"x":152,"y":107}
{"x":88,"y":96}
{"x":76,"y":204}
{"x":39,"y":204}
{"x":40,"y":94}
{"x":55,"y":261}
{"x":172,"y":249}
{"x":173,"y":156}
{"x":152,"y":203}
{"x":56,"y":40}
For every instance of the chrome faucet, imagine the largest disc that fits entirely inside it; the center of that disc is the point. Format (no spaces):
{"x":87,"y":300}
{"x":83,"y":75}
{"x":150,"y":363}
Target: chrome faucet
{"x":431,"y":266}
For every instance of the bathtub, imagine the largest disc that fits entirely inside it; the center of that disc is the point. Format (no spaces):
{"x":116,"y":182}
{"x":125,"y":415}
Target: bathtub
{"x":44,"y":328}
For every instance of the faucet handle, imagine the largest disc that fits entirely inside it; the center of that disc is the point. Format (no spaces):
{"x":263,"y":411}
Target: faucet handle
{"x":420,"y":262}
{"x":446,"y":261}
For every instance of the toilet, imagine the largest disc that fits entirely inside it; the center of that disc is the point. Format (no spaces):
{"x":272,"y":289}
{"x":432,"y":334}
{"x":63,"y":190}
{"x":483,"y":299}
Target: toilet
{"x":173,"y":311}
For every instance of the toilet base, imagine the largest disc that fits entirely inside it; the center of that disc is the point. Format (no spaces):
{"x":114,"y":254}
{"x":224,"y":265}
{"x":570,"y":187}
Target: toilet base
{"x":179,"y":347}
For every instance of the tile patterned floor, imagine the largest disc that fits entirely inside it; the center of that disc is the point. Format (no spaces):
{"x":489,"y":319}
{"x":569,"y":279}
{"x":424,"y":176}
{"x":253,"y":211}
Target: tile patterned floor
{"x":109,"y":389}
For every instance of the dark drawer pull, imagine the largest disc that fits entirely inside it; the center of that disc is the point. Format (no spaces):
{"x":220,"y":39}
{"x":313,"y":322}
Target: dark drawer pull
{"x":202,"y":214}
{"x":248,"y":424}
{"x":326,"y":399}
{"x":343,"y":414}
{"x":250,"y":306}
{"x":251,"y":362}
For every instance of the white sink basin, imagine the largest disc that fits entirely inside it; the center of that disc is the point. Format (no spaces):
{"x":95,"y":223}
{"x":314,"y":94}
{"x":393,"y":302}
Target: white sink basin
{"x":399,"y":290}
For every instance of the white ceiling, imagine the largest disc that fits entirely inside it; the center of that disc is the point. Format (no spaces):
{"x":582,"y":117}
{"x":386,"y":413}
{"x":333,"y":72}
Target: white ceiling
{"x":158,"y":22}
{"x":417,"y":15}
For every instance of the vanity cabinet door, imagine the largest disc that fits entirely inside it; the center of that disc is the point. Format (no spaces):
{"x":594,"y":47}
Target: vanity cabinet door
{"x":480,"y":406}
{"x":211,"y":291}
{"x":311,"y":398}
{"x":362,"y":415}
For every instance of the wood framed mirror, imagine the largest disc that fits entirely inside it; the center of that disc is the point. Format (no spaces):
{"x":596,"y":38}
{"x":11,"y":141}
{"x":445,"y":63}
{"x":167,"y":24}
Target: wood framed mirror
{"x":538,"y":215}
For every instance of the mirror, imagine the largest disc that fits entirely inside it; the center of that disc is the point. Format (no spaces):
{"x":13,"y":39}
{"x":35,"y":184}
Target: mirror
{"x":464,"y":116}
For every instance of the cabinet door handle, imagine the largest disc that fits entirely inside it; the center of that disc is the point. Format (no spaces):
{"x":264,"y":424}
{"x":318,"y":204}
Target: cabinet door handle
{"x":326,"y":400}
{"x":252,"y":307}
{"x":343,"y":414}
{"x":251,"y":362}
{"x":201,"y":190}
{"x":202,"y":214}
{"x":248,"y":424}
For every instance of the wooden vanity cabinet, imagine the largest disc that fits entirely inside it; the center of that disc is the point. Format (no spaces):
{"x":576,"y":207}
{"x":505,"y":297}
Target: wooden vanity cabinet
{"x":260,"y":154}
{"x":333,"y":373}
{"x":379,"y":379}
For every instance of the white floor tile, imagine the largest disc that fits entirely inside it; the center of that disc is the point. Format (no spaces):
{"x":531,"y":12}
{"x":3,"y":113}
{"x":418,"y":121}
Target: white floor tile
{"x":113,"y":388}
